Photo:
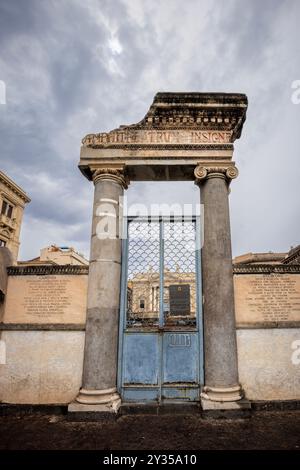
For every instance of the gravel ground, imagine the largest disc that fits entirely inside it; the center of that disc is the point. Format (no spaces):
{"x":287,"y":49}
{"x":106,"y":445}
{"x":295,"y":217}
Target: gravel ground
{"x":263,"y":430}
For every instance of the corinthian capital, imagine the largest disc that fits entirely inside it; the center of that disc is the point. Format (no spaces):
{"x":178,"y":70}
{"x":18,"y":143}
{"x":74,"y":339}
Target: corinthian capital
{"x":109,"y":173}
{"x":205,"y":172}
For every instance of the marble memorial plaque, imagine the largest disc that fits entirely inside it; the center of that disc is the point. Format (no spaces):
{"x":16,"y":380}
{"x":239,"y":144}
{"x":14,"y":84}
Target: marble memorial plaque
{"x":46,"y":299}
{"x":263,"y":298}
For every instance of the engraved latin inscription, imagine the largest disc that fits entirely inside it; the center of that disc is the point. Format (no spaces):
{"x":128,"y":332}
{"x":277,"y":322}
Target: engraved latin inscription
{"x":46,"y":297}
{"x":158,"y":137}
{"x":267,"y":298}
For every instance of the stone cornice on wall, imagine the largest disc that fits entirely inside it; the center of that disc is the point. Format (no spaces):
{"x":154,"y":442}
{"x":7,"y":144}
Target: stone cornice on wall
{"x":266,"y":268}
{"x":47,"y":270}
{"x":293,"y":257}
{"x":77,"y":269}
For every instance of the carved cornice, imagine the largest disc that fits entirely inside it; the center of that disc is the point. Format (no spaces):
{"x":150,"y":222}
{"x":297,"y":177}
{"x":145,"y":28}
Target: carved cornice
{"x":267,"y":324}
{"x":293,"y":256}
{"x":117,"y":175}
{"x":205,"y":172}
{"x":266,"y":268}
{"x":46,"y":270}
{"x":182,"y":146}
{"x":12,"y":186}
{"x":181,"y":118}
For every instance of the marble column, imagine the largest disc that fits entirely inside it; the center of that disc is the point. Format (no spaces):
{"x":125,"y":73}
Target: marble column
{"x":220,"y":349}
{"x":99,"y":381}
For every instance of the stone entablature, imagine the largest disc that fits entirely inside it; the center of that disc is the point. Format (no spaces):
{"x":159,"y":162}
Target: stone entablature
{"x":179,"y":131}
{"x":181,"y":118}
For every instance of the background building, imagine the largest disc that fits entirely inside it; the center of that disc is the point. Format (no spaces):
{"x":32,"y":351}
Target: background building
{"x":12,"y":204}
{"x":143,"y":296}
{"x":290,"y":257}
{"x":56,"y":255}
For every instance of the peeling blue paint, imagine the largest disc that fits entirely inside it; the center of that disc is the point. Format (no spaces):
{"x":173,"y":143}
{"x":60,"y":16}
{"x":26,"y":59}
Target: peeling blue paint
{"x":155,"y":363}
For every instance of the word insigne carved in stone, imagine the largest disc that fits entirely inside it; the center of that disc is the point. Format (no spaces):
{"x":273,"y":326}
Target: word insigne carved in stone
{"x":141,"y":137}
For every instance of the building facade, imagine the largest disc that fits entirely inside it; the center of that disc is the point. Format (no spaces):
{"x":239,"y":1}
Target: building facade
{"x":12,"y":203}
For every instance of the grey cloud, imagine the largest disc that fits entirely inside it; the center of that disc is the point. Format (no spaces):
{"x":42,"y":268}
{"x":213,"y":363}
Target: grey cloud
{"x":65,"y":79}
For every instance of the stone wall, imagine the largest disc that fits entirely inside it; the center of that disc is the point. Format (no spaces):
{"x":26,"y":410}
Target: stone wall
{"x":41,"y":367}
{"x":42,"y":338}
{"x":42,"y":334}
{"x":267,"y":370}
{"x":267,"y":308}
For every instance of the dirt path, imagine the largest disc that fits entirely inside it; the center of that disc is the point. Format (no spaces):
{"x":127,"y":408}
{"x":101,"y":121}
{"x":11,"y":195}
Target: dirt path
{"x":264,"y":430}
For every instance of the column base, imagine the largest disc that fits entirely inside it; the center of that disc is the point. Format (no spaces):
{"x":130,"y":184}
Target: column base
{"x":99,"y":401}
{"x":224,"y":402}
{"x":227,"y":409}
{"x":218,"y":394}
{"x":208,"y":405}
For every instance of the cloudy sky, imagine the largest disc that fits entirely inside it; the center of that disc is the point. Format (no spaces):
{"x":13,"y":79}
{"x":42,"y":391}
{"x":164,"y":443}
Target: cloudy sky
{"x":72,"y":67}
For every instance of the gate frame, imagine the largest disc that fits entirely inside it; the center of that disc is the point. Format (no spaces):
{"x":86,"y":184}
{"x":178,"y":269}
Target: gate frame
{"x":123,"y":297}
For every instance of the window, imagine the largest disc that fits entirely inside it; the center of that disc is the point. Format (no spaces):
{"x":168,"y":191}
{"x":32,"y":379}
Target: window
{"x":2,"y":243}
{"x":142,"y":303}
{"x":7,"y":209}
{"x":4,"y":207}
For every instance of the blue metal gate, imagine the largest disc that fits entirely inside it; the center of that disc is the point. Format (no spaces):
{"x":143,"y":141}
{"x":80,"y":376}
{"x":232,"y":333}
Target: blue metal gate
{"x":160,"y":337}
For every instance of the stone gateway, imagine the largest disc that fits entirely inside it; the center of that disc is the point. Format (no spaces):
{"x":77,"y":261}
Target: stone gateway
{"x":183,"y":137}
